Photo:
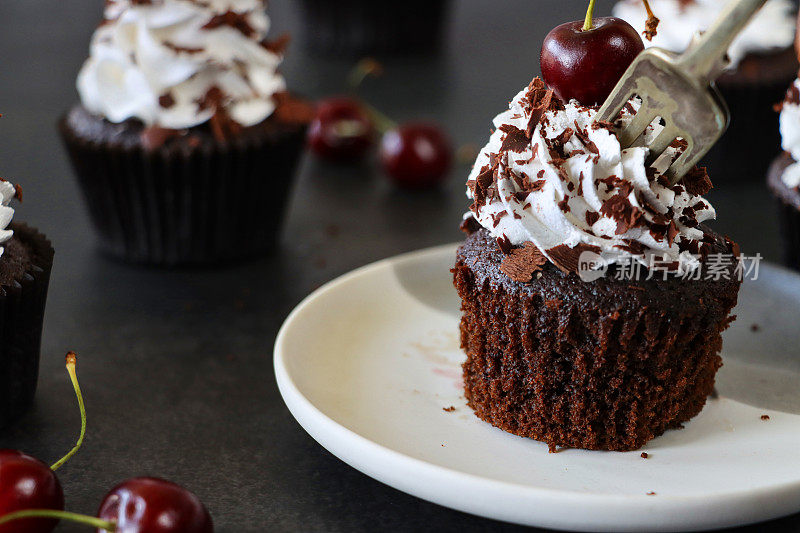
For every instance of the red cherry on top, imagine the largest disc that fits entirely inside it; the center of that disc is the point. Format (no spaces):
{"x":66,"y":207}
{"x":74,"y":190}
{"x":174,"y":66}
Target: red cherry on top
{"x":152,"y":505}
{"x":341,"y":131}
{"x":587,"y":64}
{"x":28,"y":483}
{"x":416,"y":155}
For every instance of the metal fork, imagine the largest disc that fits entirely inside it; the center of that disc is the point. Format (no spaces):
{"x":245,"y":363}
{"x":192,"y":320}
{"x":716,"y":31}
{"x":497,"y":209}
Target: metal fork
{"x":680,"y":90}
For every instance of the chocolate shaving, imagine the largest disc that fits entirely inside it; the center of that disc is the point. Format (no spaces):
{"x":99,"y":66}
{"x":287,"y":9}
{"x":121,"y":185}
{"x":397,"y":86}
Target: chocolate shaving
{"x":792,"y":97}
{"x":17,"y":192}
{"x":166,"y":100}
{"x":619,"y":208}
{"x":591,"y":217}
{"x":563,"y":204}
{"x":672,"y":232}
{"x":697,"y":181}
{"x":540,"y":100}
{"x":566,"y":258}
{"x":521,"y":263}
{"x":470,"y":225}
{"x":515,"y":140}
{"x":497,"y":217}
{"x":584,"y":137}
{"x":564,"y":136}
{"x":505,"y":244}
{"x":222,"y":125}
{"x":278,"y":46}
{"x":233,"y":19}
{"x":182,"y":49}
{"x":633,"y":247}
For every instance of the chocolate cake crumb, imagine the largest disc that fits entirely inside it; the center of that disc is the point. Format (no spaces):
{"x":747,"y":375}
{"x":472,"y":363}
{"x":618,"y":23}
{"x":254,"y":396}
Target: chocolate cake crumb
{"x":754,"y":327}
{"x":449,"y":409}
{"x":651,"y":493}
{"x":764,"y":417}
{"x":645,"y":455}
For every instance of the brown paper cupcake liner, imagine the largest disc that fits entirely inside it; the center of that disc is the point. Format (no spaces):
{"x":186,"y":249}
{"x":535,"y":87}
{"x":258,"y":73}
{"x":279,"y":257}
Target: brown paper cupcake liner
{"x":602,"y":365}
{"x":22,"y":305}
{"x":186,"y":204}
{"x":362,"y":27}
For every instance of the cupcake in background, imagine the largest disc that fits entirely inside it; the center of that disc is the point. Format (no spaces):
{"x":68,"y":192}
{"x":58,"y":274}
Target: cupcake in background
{"x":185,"y":140}
{"x":763,"y":63}
{"x":366,"y":27}
{"x":26,"y":258}
{"x":783,"y":178}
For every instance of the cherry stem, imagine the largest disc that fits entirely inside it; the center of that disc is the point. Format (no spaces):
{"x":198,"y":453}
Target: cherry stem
{"x":362,"y":70}
{"x":647,"y":8}
{"x":60,"y":515}
{"x":382,"y":122}
{"x":72,"y":361}
{"x":587,"y":22}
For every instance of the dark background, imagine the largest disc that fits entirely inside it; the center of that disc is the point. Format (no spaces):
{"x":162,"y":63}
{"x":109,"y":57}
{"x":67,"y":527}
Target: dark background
{"x":176,"y":366}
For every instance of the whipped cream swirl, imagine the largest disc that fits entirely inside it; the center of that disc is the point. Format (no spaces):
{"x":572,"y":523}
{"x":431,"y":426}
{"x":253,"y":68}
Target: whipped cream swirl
{"x":175,"y":63}
{"x":7,"y":193}
{"x":553,"y":177}
{"x":790,"y":134}
{"x":772,"y":28}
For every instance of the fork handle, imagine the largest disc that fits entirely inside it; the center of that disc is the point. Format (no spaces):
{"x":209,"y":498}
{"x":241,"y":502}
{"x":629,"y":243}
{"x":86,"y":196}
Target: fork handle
{"x":702,"y":58}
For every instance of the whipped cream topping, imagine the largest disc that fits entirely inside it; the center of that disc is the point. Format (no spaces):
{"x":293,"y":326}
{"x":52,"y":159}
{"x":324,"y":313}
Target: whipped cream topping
{"x":175,"y":63}
{"x":553,"y":177}
{"x":790,"y":134}
{"x":7,"y":193}
{"x":772,"y":28}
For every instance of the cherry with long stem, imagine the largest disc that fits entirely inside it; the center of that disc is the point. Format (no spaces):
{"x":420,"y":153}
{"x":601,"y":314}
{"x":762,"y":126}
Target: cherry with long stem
{"x":29,"y":486}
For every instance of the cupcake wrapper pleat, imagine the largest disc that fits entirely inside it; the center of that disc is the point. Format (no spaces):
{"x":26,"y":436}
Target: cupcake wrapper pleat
{"x":199,"y":205}
{"x":355,"y":27}
{"x":21,"y":316}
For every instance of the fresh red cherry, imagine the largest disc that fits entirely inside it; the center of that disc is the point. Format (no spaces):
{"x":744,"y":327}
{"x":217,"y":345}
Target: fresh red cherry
{"x":416,"y":155}
{"x":584,"y":60}
{"x":341,"y":131}
{"x":152,"y":505}
{"x":28,"y":483}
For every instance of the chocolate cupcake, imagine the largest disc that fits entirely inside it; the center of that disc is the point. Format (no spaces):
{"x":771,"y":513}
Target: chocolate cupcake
{"x":593,"y":294}
{"x":26,"y":258}
{"x":365,"y":27}
{"x":763,"y":63}
{"x":783,"y":178}
{"x":184,"y":130}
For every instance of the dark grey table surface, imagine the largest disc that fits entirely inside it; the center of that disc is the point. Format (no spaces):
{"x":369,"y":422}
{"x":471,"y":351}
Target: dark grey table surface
{"x":176,"y":366}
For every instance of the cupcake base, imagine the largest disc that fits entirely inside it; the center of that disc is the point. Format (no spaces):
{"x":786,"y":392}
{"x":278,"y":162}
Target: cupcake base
{"x":605,"y":365}
{"x":787,"y":202}
{"x":192,"y":201}
{"x":364,"y":27}
{"x":24,"y":276}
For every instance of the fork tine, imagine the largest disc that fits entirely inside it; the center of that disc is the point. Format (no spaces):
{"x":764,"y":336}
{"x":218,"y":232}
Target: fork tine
{"x":661,"y":143}
{"x":636,"y":126}
{"x":612,"y":107}
{"x":681,"y":165}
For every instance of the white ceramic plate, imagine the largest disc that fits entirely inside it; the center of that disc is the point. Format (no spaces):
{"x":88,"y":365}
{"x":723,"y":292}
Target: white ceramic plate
{"x":368,"y":363}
